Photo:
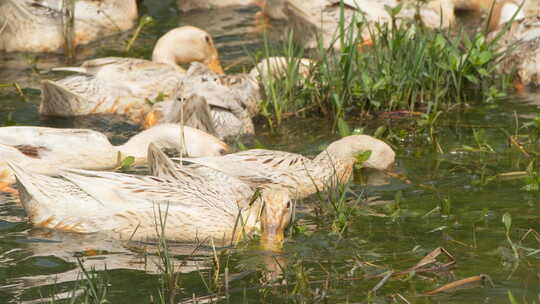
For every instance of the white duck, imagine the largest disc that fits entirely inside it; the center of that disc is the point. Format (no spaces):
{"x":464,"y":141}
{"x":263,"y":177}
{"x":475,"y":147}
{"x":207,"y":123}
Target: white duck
{"x":223,"y":105}
{"x":523,"y":38}
{"x":46,"y":150}
{"x":36,"y":25}
{"x":323,"y":16}
{"x":125,"y":85}
{"x":138,"y":207}
{"x":530,"y":7}
{"x":300,"y":175}
{"x":187,"y":5}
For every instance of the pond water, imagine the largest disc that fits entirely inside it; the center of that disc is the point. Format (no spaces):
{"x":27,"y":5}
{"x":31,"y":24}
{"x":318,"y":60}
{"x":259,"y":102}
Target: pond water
{"x":445,"y":194}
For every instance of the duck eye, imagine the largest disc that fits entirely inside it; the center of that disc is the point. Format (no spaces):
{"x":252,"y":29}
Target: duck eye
{"x":207,"y":39}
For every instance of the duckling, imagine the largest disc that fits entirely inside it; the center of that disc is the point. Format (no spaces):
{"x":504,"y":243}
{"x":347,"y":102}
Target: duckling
{"x":125,"y":85}
{"x":147,"y":207}
{"x":36,"y":25}
{"x":46,"y":150}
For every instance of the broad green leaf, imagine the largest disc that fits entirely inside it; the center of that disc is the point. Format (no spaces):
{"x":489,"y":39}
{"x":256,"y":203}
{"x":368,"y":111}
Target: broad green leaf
{"x":343,"y":128}
{"x":127,"y":163}
{"x":363,"y":156}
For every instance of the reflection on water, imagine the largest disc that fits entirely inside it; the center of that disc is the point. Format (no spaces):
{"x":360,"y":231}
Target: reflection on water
{"x":37,"y":263}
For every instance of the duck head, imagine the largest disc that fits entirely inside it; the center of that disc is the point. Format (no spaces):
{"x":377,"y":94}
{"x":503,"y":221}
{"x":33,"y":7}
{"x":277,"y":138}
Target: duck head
{"x":187,"y":44}
{"x":347,"y":149}
{"x":275,"y":215}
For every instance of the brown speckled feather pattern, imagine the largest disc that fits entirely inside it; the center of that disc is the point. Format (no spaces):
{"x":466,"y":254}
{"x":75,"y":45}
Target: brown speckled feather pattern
{"x":229,"y":186}
{"x":300,"y":175}
{"x":31,"y":151}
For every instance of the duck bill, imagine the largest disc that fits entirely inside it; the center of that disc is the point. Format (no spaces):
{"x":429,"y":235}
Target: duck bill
{"x":272,"y":238}
{"x":226,"y":148}
{"x":519,"y":86}
{"x":215,"y":65}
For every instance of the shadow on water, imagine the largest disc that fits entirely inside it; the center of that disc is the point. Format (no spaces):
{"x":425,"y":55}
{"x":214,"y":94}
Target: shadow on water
{"x":447,"y":200}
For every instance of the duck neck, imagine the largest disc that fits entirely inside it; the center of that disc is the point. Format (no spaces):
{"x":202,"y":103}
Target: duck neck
{"x":332,"y":169}
{"x":164,"y":136}
{"x":164,"y":55}
{"x":324,"y":172}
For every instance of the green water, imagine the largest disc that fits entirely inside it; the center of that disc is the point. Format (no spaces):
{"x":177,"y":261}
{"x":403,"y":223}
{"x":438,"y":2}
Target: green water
{"x":447,"y":201}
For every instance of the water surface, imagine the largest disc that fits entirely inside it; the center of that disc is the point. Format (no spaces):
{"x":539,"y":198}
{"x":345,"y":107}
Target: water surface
{"x":446,"y":198}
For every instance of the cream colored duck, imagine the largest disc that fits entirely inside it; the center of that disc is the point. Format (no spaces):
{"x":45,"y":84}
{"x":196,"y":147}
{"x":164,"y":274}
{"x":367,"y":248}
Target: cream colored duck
{"x":223,"y":105}
{"x":523,"y":37}
{"x":300,"y":175}
{"x":138,"y":207}
{"x":187,"y":5}
{"x":125,"y":85}
{"x":232,"y":187}
{"x":322,"y":16}
{"x":36,"y":25}
{"x":46,"y":150}
{"x":503,"y":12}
{"x":530,"y":7}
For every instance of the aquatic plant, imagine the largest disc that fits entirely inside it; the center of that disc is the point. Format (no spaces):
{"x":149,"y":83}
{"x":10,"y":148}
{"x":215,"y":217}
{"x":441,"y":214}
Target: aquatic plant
{"x":409,"y":67}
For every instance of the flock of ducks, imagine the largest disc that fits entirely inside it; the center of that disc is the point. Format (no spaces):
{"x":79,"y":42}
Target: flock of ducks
{"x":207,"y":195}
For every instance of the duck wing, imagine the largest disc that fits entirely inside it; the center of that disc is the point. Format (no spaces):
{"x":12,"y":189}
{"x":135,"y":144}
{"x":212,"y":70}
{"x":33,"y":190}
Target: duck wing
{"x":227,"y":186}
{"x":256,"y":167}
{"x":78,"y":148}
{"x":118,"y":188}
{"x":59,"y":204}
{"x":110,"y":85}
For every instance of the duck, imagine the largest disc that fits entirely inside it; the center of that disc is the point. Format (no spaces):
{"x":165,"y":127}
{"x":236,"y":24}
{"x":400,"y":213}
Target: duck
{"x":36,"y":25}
{"x":503,"y":12}
{"x":44,"y":150}
{"x":146,"y":208}
{"x":223,"y":105}
{"x":237,"y":189}
{"x":128,"y":86}
{"x":529,"y":7}
{"x":299,"y":175}
{"x":473,"y":5}
{"x":323,"y":16}
{"x":522,"y":36}
{"x":188,"y":5}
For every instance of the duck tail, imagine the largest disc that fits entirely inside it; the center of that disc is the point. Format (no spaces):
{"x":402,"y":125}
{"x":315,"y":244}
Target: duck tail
{"x":160,"y":165}
{"x":30,"y":193}
{"x":163,"y":167}
{"x":59,"y":99}
{"x":193,"y":111}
